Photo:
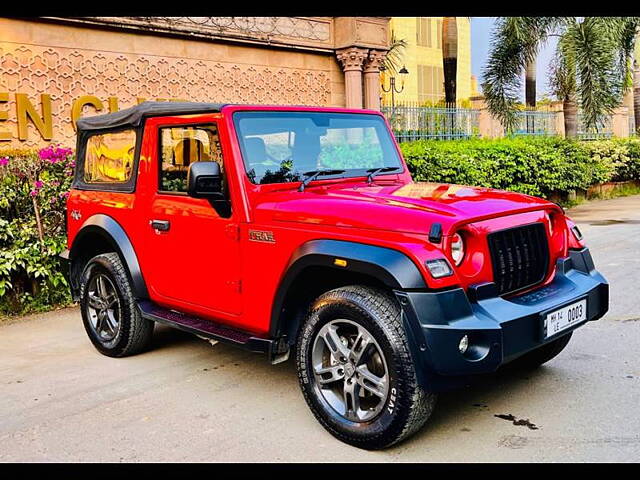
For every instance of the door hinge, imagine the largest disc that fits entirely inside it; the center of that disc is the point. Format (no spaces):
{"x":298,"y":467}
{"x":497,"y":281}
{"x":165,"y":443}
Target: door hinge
{"x":233,"y":231}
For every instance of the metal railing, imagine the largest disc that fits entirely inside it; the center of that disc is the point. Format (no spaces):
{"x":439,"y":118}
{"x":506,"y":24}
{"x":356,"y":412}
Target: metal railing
{"x":413,"y":122}
{"x":603,"y":128}
{"x":535,"y":122}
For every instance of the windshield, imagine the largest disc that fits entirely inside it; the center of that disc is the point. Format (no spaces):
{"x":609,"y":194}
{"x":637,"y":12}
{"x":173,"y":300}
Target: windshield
{"x":281,"y":147}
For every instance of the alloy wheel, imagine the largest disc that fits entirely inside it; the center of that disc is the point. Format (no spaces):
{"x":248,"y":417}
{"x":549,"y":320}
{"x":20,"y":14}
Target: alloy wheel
{"x":103,"y":307}
{"x":350,"y":370}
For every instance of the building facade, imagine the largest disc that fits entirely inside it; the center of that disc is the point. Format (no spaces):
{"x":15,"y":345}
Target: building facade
{"x":422,"y":57}
{"x":54,"y":70}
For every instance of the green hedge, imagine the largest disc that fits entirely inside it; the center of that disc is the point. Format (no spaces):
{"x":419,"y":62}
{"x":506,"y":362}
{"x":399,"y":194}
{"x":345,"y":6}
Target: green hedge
{"x":541,"y":166}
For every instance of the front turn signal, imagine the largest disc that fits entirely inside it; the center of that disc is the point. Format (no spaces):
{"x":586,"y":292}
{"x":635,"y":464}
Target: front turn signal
{"x":439,"y":268}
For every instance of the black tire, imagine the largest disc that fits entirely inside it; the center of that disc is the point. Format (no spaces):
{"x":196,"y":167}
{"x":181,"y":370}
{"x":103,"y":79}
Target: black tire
{"x":541,"y":355}
{"x":407,"y":406}
{"x":133,"y":333}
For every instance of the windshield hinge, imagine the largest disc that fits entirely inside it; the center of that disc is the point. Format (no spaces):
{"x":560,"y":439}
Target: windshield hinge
{"x":233,"y":231}
{"x":235,"y":285}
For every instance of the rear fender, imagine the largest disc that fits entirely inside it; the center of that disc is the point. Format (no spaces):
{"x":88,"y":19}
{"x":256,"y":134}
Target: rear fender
{"x":109,"y":231}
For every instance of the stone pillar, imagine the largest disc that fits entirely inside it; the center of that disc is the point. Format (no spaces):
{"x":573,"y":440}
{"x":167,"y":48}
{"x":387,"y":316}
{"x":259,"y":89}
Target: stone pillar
{"x":372,"y":79}
{"x":351,"y":59}
{"x":488,"y":125}
{"x":620,"y":122}
{"x":558,"y":108}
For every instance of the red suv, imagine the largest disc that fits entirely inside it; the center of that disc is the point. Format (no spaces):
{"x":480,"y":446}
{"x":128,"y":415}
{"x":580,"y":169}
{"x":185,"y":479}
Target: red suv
{"x":294,"y":229}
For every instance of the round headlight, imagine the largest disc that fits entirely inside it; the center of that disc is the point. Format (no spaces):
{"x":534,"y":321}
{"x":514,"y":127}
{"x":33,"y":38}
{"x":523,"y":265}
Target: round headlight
{"x":457,"y":248}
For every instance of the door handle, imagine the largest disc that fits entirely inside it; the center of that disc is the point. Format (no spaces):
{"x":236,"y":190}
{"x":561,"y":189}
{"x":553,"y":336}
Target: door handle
{"x":160,"y":225}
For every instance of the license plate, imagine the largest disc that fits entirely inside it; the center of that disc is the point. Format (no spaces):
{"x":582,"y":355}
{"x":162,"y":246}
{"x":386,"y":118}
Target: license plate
{"x":564,"y":318}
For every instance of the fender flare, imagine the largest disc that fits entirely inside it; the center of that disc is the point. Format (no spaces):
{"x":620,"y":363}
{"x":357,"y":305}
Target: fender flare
{"x":114,"y":234}
{"x":395,"y":269}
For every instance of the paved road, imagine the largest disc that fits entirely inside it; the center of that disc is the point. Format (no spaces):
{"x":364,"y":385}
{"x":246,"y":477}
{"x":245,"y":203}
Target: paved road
{"x":187,"y":401}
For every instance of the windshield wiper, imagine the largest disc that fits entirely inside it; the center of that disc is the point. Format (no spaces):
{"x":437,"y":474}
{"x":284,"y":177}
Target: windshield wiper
{"x":375,"y":171}
{"x":313,"y":174}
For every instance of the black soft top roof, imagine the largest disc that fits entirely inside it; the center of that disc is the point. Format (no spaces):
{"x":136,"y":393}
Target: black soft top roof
{"x":132,"y":117}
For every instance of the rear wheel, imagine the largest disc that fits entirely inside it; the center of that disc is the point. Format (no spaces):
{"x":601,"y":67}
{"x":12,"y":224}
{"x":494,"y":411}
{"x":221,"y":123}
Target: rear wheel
{"x":109,"y":313}
{"x":356,"y":371}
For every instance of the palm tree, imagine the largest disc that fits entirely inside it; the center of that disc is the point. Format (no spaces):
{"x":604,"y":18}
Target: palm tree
{"x":636,"y":94}
{"x":591,"y":67}
{"x":450,"y":58}
{"x":629,"y":36}
{"x":393,"y":59}
{"x":530,"y":92}
{"x":515,"y":45}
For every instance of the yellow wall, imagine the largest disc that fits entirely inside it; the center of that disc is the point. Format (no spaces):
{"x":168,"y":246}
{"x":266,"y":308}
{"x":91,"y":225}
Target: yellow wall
{"x":414,"y":55}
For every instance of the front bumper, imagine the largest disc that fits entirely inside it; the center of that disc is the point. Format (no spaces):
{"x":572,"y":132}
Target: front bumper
{"x":499,"y":329}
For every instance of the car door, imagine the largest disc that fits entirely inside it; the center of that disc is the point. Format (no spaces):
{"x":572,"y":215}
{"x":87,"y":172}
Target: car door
{"x":196,"y":264}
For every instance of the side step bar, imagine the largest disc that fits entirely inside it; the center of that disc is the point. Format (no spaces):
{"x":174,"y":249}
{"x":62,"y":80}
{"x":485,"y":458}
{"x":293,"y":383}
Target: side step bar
{"x":277,"y":349}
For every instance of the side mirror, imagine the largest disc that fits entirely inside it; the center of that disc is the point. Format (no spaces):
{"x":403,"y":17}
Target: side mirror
{"x":204,"y":180}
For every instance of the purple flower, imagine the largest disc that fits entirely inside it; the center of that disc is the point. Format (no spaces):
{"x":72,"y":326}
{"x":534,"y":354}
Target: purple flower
{"x":33,"y":193}
{"x":54,"y":153}
{"x":38,"y":184}
{"x":4,"y":161}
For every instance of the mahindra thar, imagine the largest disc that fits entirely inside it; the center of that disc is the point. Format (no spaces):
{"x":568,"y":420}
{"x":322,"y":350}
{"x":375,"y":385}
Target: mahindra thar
{"x":298,"y":230}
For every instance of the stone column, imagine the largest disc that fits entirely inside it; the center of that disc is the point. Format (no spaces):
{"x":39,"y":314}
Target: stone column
{"x":488,"y":125}
{"x":351,"y":59}
{"x":558,"y":108}
{"x":620,"y":122}
{"x":372,"y":79}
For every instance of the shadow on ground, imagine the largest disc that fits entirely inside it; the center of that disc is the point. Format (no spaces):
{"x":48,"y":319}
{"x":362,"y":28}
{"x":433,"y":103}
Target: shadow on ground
{"x":475,"y":397}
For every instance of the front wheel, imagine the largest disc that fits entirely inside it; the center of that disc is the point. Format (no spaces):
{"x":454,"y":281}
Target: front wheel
{"x":356,"y":371}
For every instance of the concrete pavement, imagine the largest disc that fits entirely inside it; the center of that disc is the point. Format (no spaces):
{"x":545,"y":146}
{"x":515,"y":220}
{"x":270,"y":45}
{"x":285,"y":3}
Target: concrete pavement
{"x":60,"y":400}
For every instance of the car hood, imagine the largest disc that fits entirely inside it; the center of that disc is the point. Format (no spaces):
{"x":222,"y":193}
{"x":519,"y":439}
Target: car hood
{"x":411,"y":207}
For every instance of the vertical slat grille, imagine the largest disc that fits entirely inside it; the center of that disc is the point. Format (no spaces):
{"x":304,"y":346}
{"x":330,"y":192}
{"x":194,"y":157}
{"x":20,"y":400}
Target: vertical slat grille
{"x":520,"y":257}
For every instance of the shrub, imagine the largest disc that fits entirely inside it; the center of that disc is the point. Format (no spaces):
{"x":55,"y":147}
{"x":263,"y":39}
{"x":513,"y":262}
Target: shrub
{"x":33,"y":190}
{"x":541,"y":166}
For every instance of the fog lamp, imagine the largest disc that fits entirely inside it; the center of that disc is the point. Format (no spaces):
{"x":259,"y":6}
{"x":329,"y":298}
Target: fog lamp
{"x":464,"y":344}
{"x":439,"y":268}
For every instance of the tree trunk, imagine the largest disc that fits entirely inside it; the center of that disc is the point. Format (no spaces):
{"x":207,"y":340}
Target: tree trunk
{"x":36,"y":211}
{"x":636,"y":95}
{"x":570,"y":118}
{"x":530,"y":83}
{"x":530,"y":93}
{"x":450,"y":58}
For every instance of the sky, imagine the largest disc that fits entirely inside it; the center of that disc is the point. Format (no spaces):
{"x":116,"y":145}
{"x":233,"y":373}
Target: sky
{"x":481,"y":29}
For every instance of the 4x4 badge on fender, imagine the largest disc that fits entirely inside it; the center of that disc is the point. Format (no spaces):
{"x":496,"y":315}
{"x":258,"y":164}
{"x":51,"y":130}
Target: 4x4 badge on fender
{"x":261,"y":236}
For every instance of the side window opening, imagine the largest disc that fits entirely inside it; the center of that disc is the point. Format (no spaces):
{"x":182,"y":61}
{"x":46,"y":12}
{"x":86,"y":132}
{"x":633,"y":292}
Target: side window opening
{"x":180,"y":147}
{"x":109,"y":158}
